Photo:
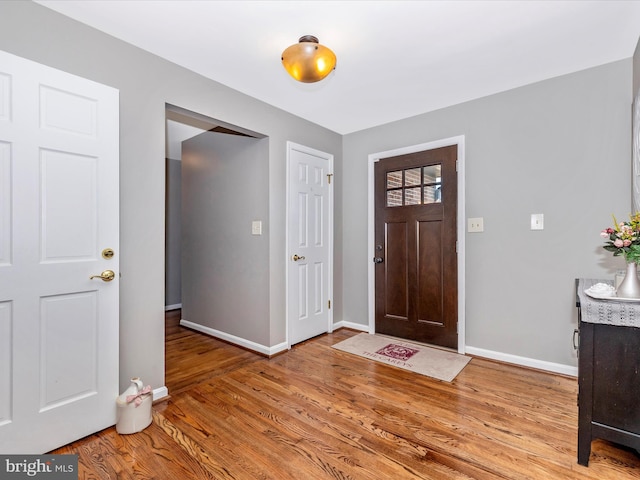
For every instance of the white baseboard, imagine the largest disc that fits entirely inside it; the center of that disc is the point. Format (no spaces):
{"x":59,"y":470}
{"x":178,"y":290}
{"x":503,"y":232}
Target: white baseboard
{"x":160,"y":393}
{"x":176,"y":306}
{"x":242,"y":342}
{"x":354,"y":326}
{"x":479,"y":352}
{"x":523,"y":361}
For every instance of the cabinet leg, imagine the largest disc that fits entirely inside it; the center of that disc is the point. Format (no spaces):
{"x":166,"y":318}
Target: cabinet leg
{"x":584,"y":449}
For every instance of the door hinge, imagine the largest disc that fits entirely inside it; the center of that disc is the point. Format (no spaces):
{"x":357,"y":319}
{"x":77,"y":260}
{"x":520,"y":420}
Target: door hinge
{"x":329,"y":303}
{"x":457,"y":164}
{"x":456,"y":246}
{"x":329,"y":175}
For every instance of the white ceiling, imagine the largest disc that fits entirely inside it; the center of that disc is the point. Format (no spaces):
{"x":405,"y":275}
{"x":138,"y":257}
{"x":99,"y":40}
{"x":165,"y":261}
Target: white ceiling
{"x":396,"y":59}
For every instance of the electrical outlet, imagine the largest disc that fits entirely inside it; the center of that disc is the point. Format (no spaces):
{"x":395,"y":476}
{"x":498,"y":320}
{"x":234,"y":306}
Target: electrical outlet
{"x":475,"y":225}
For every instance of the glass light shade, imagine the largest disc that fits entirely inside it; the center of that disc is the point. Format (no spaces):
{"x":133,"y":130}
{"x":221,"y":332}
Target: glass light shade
{"x":308,"y":61}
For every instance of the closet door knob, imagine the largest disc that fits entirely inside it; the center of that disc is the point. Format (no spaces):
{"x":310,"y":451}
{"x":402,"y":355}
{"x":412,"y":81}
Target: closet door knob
{"x":105,"y":276}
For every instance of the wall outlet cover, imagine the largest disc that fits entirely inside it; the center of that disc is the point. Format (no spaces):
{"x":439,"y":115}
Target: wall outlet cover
{"x":475,"y":225}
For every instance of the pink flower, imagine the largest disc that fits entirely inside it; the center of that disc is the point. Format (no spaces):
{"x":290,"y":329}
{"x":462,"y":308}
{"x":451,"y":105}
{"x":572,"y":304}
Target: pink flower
{"x":618,"y":243}
{"x":626,"y":243}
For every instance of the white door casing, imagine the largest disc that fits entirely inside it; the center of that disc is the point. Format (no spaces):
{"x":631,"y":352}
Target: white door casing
{"x":310,"y":237}
{"x":59,"y":207}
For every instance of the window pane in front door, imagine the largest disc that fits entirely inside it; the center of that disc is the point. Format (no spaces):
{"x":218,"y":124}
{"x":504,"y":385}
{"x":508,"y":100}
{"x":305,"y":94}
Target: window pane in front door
{"x":414,"y":186}
{"x":432,"y":183}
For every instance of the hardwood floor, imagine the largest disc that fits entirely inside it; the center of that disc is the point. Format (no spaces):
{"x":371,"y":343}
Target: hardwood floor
{"x":318,"y":413}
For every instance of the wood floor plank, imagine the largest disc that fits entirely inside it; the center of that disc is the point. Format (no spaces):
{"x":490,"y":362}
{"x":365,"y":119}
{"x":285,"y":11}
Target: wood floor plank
{"x":389,"y":427}
{"x":306,"y":434}
{"x":318,"y":413}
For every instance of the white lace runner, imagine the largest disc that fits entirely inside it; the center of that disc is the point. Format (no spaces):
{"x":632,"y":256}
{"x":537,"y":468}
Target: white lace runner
{"x":607,"y":312}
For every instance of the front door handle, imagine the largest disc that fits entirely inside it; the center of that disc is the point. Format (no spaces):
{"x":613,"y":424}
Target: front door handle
{"x":105,"y":276}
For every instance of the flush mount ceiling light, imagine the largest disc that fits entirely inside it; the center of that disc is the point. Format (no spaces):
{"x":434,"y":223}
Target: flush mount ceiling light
{"x":307,"y":61}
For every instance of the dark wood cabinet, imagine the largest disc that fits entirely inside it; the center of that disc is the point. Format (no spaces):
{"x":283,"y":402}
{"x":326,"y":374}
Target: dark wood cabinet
{"x":608,"y":386}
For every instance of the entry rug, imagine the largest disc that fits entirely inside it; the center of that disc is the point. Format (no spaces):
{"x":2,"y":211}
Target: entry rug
{"x":431,"y":362}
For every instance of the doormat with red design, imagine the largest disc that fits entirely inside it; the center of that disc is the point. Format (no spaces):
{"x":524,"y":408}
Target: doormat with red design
{"x":421,"y":359}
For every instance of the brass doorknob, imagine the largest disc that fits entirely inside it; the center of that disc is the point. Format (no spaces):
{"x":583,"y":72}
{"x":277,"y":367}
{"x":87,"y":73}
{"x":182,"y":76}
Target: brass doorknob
{"x":297,"y":257}
{"x":105,"y":276}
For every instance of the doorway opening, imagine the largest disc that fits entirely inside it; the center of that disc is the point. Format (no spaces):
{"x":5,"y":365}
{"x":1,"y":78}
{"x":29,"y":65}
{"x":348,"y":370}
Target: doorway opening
{"x":181,"y":125}
{"x":216,"y":186}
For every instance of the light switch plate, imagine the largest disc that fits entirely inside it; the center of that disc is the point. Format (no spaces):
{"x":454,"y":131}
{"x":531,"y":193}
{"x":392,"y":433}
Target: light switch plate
{"x":475,"y":225}
{"x":256,"y":227}
{"x":537,"y":221}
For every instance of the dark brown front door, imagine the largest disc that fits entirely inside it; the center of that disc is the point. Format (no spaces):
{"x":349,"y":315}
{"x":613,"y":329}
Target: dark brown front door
{"x":416,"y":273}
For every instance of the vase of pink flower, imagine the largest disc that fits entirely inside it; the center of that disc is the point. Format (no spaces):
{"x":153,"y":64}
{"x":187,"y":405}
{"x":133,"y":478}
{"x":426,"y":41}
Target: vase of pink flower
{"x":624,"y":240}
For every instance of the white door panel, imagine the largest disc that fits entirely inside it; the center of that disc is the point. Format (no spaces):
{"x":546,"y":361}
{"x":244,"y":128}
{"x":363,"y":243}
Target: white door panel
{"x":5,"y":202}
{"x":6,"y":356}
{"x":69,"y":216}
{"x":310,"y":221}
{"x":58,"y":211}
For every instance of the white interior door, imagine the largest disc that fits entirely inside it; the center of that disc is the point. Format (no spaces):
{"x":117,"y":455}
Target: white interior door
{"x":58,"y":212}
{"x":310,"y":242}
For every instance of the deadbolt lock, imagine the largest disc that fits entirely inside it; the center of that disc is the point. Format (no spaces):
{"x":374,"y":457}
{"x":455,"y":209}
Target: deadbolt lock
{"x":108,"y":253}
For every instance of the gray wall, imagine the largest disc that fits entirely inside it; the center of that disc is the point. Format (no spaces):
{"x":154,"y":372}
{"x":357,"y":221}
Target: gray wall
{"x":559,"y":147}
{"x":147,"y":83}
{"x":173,"y":267}
{"x":636,"y":69}
{"x":225,"y":268}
